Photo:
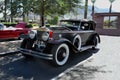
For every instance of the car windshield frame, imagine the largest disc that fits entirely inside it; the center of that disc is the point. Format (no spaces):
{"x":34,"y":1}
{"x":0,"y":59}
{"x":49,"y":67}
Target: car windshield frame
{"x":67,"y":23}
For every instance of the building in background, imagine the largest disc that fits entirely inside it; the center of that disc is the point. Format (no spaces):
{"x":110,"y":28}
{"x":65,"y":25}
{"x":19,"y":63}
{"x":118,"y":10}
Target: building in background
{"x":107,"y":23}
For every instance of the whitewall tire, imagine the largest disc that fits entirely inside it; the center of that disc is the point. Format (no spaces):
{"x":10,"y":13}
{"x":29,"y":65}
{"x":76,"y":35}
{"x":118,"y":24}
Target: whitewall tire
{"x":77,"y":42}
{"x":60,"y":54}
{"x":95,"y":41}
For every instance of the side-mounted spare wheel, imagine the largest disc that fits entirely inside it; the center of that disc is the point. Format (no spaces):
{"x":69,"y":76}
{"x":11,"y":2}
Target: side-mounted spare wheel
{"x":77,"y":42}
{"x":60,"y":54}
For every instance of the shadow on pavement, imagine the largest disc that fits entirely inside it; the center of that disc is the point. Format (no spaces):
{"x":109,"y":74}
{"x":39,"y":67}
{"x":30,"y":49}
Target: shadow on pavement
{"x":37,"y":69}
{"x":6,"y":40}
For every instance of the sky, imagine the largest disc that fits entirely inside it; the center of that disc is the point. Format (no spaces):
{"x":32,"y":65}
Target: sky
{"x":106,"y":4}
{"x":102,"y":4}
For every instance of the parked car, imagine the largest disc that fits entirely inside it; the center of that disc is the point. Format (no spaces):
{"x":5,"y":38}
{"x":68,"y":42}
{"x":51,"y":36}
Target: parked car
{"x":57,"y":43}
{"x":21,"y":25}
{"x":11,"y":32}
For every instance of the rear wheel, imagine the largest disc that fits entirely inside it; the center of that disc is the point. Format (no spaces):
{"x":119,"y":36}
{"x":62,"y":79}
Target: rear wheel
{"x":95,"y":42}
{"x":60,"y":54}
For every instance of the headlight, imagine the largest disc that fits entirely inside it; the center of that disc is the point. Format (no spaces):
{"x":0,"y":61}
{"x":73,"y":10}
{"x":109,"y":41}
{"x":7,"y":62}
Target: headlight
{"x":32,"y":34}
{"x":45,"y":36}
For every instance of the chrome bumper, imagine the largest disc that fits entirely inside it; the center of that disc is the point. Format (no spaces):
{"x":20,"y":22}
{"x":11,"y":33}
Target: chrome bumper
{"x":36,"y":54}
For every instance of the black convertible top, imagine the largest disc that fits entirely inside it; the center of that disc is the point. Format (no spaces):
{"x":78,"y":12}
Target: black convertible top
{"x":74,"y":20}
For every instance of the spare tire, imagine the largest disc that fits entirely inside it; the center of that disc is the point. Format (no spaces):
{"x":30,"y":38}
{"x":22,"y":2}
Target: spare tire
{"x":77,"y":42}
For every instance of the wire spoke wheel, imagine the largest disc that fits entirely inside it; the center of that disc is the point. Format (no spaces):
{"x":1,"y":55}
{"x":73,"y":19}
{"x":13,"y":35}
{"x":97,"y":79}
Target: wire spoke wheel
{"x":60,"y":54}
{"x":77,"y":42}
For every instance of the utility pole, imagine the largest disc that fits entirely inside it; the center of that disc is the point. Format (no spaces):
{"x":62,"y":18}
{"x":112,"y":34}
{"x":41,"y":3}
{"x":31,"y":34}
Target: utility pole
{"x":11,"y":8}
{"x":93,"y":10}
{"x":85,"y":9}
{"x":42,"y":13}
{"x":93,"y":2}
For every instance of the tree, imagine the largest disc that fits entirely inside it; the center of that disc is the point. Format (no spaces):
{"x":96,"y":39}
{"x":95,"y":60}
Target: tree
{"x":9,"y":8}
{"x":53,"y":7}
{"x":93,"y":2}
{"x":5,"y":14}
{"x":86,"y":8}
{"x":26,"y":8}
{"x":40,"y":7}
{"x":110,"y":9}
{"x":13,"y":8}
{"x":3,"y":8}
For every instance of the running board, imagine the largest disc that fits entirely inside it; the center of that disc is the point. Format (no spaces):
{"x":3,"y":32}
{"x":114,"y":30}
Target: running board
{"x":85,"y":48}
{"x":36,"y":54}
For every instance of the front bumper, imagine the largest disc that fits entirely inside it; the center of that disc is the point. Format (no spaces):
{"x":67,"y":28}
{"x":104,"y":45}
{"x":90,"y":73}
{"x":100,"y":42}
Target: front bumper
{"x":36,"y":54}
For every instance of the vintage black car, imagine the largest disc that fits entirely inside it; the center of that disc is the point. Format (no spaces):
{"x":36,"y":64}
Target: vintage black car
{"x":57,"y":43}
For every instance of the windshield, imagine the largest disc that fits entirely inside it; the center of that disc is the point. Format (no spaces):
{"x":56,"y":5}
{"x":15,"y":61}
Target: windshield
{"x":73,"y":25}
{"x":1,"y":27}
{"x":69,"y":24}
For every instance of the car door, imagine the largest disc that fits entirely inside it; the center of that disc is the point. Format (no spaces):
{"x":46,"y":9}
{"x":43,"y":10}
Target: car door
{"x":5,"y":34}
{"x":14,"y":32}
{"x":85,"y":32}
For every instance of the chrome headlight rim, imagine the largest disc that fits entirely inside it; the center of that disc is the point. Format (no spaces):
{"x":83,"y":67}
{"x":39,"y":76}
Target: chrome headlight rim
{"x":45,"y":36}
{"x":32,"y":34}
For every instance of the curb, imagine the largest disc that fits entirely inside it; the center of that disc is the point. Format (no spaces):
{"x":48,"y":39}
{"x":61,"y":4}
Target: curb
{"x":69,"y":69}
{"x":9,"y":53}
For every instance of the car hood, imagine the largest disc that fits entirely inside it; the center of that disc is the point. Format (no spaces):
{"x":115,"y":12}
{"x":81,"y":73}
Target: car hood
{"x":52,"y":29}
{"x":12,"y":28}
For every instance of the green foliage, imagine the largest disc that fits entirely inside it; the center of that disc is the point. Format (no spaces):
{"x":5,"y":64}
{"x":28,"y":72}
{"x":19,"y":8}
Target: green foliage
{"x":1,"y":6}
{"x":54,"y":7}
{"x":111,"y":1}
{"x":34,"y":24}
{"x":93,"y":1}
{"x":47,"y":25}
{"x":40,"y":7}
{"x":53,"y":21}
{"x":9,"y":23}
{"x":29,"y":26}
{"x":106,"y":22}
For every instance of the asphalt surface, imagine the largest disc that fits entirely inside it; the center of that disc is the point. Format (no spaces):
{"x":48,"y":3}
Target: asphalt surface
{"x":104,"y":65}
{"x":7,"y":46}
{"x":100,"y":64}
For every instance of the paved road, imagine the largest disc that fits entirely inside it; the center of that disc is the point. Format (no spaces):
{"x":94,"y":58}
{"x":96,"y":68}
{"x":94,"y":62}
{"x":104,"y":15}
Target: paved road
{"x":100,"y":64}
{"x":13,"y":67}
{"x":8,"y":46}
{"x":104,"y":65}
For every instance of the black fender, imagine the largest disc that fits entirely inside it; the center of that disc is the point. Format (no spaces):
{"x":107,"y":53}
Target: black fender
{"x":97,"y":36}
{"x":90,"y":40}
{"x":63,"y":40}
{"x":24,"y":36}
{"x":27,"y":43}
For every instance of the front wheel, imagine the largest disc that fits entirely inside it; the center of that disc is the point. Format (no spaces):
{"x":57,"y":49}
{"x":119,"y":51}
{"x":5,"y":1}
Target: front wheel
{"x":60,"y":54}
{"x":19,"y":37}
{"x":27,"y":44}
